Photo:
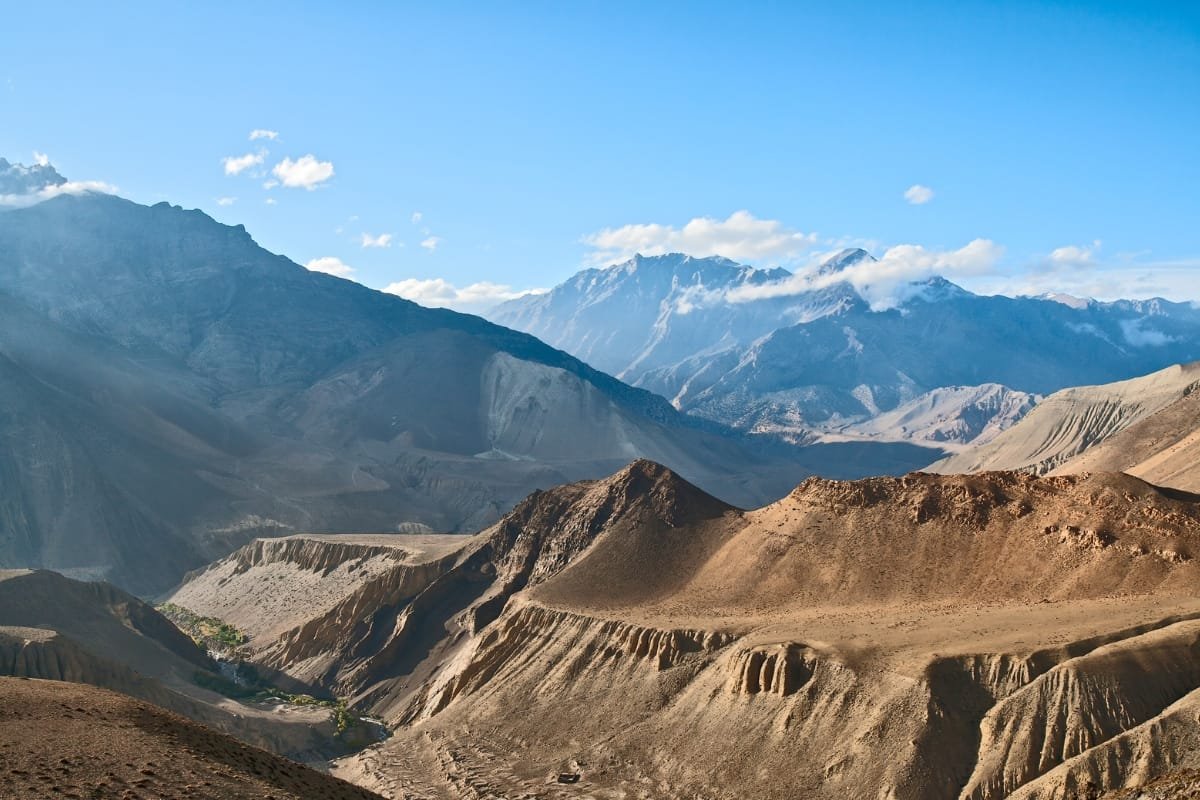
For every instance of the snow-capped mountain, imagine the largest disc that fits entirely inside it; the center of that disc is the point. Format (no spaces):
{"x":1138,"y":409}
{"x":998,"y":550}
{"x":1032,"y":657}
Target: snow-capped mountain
{"x":809,"y":357}
{"x":656,"y":312}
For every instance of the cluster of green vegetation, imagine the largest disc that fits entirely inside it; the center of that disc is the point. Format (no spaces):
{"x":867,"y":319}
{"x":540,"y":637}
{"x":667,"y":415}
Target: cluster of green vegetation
{"x":256,"y":692}
{"x":221,"y":637}
{"x":208,"y":632}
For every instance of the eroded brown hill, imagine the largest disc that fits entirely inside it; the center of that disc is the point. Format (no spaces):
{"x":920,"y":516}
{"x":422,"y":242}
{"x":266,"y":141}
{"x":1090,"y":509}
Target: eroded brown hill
{"x":920,"y":637}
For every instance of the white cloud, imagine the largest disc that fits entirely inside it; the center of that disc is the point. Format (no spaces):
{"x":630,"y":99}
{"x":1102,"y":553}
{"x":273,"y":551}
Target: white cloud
{"x":235,"y":165}
{"x":48,"y":192}
{"x":263,"y":133}
{"x":741,"y":237}
{"x":270,"y":184}
{"x":417,"y":216}
{"x":1073,"y":255}
{"x":330,"y":265}
{"x":884,"y":283}
{"x":918,"y":195}
{"x":1121,"y":278}
{"x":271,"y":201}
{"x":431,"y":243}
{"x":41,"y":159}
{"x":440,"y":293}
{"x":1138,"y":335}
{"x":226,"y":201}
{"x":382,"y":240}
{"x":305,"y":172}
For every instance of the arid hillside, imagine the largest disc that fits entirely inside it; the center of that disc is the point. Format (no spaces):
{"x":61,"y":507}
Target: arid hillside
{"x":929,"y":636}
{"x":1072,"y":422}
{"x":71,"y":740}
{"x":1163,"y":448}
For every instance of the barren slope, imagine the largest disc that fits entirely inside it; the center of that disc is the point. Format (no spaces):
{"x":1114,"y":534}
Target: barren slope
{"x":919,"y":637}
{"x":1069,"y":422}
{"x":1163,"y":448}
{"x":71,"y":740}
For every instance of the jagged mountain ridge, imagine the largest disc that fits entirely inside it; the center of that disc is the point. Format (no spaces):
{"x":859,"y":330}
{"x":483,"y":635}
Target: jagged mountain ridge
{"x":17,"y":180}
{"x":650,"y":312}
{"x":799,"y":360}
{"x":911,"y":635}
{"x":172,"y":390}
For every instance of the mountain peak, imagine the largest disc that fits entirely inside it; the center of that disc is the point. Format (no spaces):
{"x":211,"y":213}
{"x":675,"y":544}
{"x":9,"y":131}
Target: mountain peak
{"x":20,"y":179}
{"x":842,"y":259}
{"x":1068,"y":300}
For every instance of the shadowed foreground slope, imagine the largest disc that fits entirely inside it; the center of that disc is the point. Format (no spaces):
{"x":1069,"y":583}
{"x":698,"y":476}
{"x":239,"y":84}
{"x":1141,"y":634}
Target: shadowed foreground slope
{"x":70,"y":740}
{"x":55,"y":628}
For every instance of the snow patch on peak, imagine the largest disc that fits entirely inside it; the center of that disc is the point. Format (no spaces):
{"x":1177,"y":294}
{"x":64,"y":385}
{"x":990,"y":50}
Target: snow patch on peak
{"x":1068,"y":300}
{"x":842,"y":259}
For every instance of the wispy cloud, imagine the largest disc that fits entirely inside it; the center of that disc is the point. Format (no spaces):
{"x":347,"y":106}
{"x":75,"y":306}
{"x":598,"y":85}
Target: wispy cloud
{"x":431,"y":243}
{"x":918,"y":195}
{"x":49,"y":192}
{"x":306,"y":172}
{"x":41,"y":159}
{"x":1083,"y":273}
{"x":263,"y":133}
{"x":417,"y":216}
{"x":742,"y":237}
{"x":226,"y":201}
{"x":330,"y":265}
{"x":382,"y":240}
{"x":1072,"y":256}
{"x":236,"y":165}
{"x":1138,"y":335}
{"x":440,"y":293}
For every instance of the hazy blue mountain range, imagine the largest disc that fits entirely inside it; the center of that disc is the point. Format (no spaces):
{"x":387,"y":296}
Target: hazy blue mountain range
{"x":169,"y":389}
{"x":822,"y":362}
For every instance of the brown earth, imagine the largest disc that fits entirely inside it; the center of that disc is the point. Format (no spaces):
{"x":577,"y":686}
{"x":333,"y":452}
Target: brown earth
{"x":930,"y":636}
{"x":70,"y":740}
{"x":1183,"y":786}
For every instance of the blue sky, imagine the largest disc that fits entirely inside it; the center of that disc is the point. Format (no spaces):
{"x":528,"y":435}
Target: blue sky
{"x":528,"y":137}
